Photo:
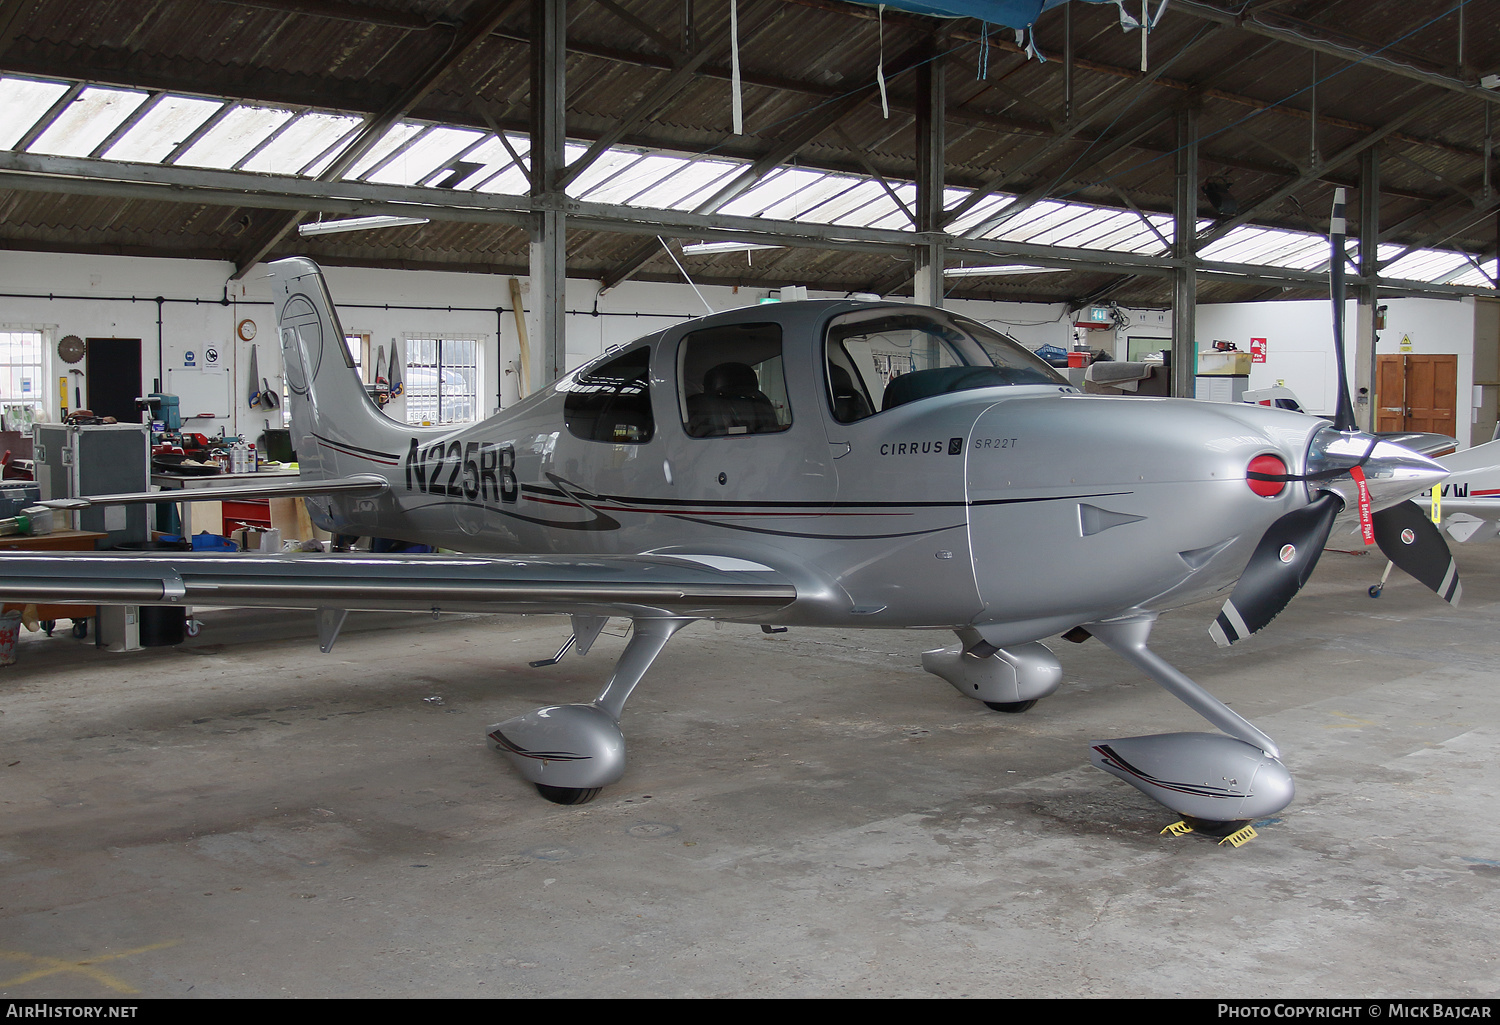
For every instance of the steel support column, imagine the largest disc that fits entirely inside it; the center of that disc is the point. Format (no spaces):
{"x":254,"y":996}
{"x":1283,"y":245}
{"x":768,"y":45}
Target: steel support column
{"x":1184,"y":247}
{"x":1365,"y":402}
{"x":549,"y":267}
{"x":931,"y":142}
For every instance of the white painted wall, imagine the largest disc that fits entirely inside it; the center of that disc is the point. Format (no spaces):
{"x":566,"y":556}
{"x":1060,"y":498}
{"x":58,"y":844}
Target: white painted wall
{"x":1299,"y":353}
{"x":1297,"y":332}
{"x":107,"y":296}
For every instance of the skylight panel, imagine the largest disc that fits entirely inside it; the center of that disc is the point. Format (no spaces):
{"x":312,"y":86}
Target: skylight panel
{"x":1244,"y":244}
{"x":595,"y":179}
{"x":1066,"y":231}
{"x":981,"y":212}
{"x":1042,"y":217}
{"x":815,"y":188}
{"x":1425,"y":265}
{"x":1142,"y":239}
{"x":1270,"y":247}
{"x":87,"y":121}
{"x":162,"y":129}
{"x":1108,"y":224}
{"x":864,"y":202}
{"x":227,"y":142}
{"x":770,"y":191}
{"x":513,"y":179}
{"x":426,"y":155}
{"x":1474,"y":277}
{"x":882,"y":212}
{"x":689,"y":186}
{"x":644,"y":174}
{"x":394,"y":137}
{"x":501,"y":174}
{"x":1116,"y":233}
{"x":22,"y":102}
{"x":304,"y":139}
{"x":1309,"y":252}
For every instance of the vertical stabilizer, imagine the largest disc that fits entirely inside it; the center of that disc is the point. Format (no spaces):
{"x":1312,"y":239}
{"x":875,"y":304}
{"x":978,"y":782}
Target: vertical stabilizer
{"x":336,"y":428}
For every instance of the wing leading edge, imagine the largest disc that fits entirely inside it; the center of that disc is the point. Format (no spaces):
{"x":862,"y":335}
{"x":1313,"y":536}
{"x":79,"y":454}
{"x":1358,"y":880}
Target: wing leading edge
{"x":636,"y":586}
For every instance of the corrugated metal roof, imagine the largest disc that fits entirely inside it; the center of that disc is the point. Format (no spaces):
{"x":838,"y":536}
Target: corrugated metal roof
{"x":274,"y":86}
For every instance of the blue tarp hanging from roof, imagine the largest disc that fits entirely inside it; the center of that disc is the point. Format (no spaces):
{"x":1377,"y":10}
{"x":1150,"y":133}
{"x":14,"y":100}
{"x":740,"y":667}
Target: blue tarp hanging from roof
{"x":1012,"y":13}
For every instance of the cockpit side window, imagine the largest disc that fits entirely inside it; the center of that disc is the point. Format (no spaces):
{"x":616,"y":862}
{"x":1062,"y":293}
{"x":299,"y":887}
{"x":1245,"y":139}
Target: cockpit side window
{"x":882,"y":358}
{"x":731,"y":381}
{"x":611,"y":401}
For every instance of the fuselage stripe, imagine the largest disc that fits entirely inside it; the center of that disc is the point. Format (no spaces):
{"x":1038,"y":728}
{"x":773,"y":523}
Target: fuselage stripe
{"x":369,"y":454}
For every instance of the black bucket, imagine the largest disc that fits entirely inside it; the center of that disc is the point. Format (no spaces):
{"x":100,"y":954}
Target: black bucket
{"x":160,"y":625}
{"x":276,"y":445}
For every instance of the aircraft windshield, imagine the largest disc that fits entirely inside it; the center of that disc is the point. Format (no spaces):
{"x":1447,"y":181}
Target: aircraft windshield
{"x":882,"y":358}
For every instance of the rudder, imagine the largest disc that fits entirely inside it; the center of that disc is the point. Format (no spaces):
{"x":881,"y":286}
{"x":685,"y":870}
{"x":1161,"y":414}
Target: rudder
{"x":336,"y":428}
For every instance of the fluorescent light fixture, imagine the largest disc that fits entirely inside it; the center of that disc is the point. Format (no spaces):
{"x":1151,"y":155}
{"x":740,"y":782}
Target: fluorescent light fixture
{"x":356,"y":224}
{"x":706,"y":248}
{"x":999,"y":272}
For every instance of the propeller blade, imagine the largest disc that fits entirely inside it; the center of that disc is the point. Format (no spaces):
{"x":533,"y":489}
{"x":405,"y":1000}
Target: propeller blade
{"x":1414,"y":543}
{"x":1343,"y":418}
{"x":1281,"y":564}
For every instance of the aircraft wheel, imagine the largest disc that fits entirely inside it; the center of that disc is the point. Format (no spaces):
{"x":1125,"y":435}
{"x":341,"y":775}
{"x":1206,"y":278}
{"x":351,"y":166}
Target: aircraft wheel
{"x":1214,"y":827}
{"x":568,"y":795}
{"x":1011,"y":706}
{"x":1375,"y":590}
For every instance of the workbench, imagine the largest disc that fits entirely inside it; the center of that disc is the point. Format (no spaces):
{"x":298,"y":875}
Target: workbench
{"x":255,"y":512}
{"x":57,"y":541}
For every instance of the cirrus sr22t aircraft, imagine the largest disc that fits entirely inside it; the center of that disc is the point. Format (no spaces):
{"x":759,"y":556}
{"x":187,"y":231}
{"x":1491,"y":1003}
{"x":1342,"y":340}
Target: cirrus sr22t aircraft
{"x":764,"y":465}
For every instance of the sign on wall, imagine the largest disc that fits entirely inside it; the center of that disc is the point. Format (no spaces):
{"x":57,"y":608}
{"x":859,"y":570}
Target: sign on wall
{"x":1257,"y":350}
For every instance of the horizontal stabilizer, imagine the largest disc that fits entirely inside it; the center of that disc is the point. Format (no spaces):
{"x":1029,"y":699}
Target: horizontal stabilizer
{"x":359,"y":484}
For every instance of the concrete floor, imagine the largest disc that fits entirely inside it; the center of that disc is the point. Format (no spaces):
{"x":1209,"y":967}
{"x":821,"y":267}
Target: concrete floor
{"x":806,"y":814}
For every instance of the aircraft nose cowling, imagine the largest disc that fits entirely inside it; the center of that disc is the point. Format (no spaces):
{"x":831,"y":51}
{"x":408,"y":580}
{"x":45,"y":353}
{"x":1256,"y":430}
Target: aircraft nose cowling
{"x":1082,"y":506}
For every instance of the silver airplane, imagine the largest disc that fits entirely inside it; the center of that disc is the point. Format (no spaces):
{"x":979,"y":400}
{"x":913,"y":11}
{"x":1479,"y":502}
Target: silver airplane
{"x":770,"y":465}
{"x":1468,"y":502}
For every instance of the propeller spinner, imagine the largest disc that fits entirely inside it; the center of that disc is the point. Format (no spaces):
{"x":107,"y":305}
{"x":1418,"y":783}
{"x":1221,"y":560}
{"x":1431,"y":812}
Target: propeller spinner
{"x":1390,"y":474}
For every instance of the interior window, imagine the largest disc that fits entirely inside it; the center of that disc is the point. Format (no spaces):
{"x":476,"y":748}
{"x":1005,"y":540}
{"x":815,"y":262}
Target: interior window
{"x":882,"y":358}
{"x":732,"y":382}
{"x":612,"y":401}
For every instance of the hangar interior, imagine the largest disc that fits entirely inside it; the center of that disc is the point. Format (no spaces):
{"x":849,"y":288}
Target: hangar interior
{"x":238,"y":815}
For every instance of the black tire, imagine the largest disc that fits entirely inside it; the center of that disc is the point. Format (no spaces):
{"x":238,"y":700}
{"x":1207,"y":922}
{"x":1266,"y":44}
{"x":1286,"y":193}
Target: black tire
{"x":1214,"y":827}
{"x":568,"y":795}
{"x":48,"y":625}
{"x":81,"y":629}
{"x":1375,"y":590}
{"x":1011,"y":707}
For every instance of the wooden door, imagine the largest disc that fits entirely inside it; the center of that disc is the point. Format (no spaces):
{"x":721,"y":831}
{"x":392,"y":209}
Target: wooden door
{"x":1390,"y":393}
{"x":1417,"y":393}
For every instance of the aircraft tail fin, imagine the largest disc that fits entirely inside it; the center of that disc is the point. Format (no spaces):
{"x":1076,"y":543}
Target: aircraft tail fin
{"x":337,"y":429}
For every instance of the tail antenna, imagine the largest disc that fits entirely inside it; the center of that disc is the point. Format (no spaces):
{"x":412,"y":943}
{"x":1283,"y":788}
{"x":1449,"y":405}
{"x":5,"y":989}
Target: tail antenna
{"x":1343,"y":419}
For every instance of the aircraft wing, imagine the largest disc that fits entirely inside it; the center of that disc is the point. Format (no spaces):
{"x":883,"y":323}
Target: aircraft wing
{"x":1422,"y":442}
{"x":1472,"y":496}
{"x":357,"y":484}
{"x":637,"y":586}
